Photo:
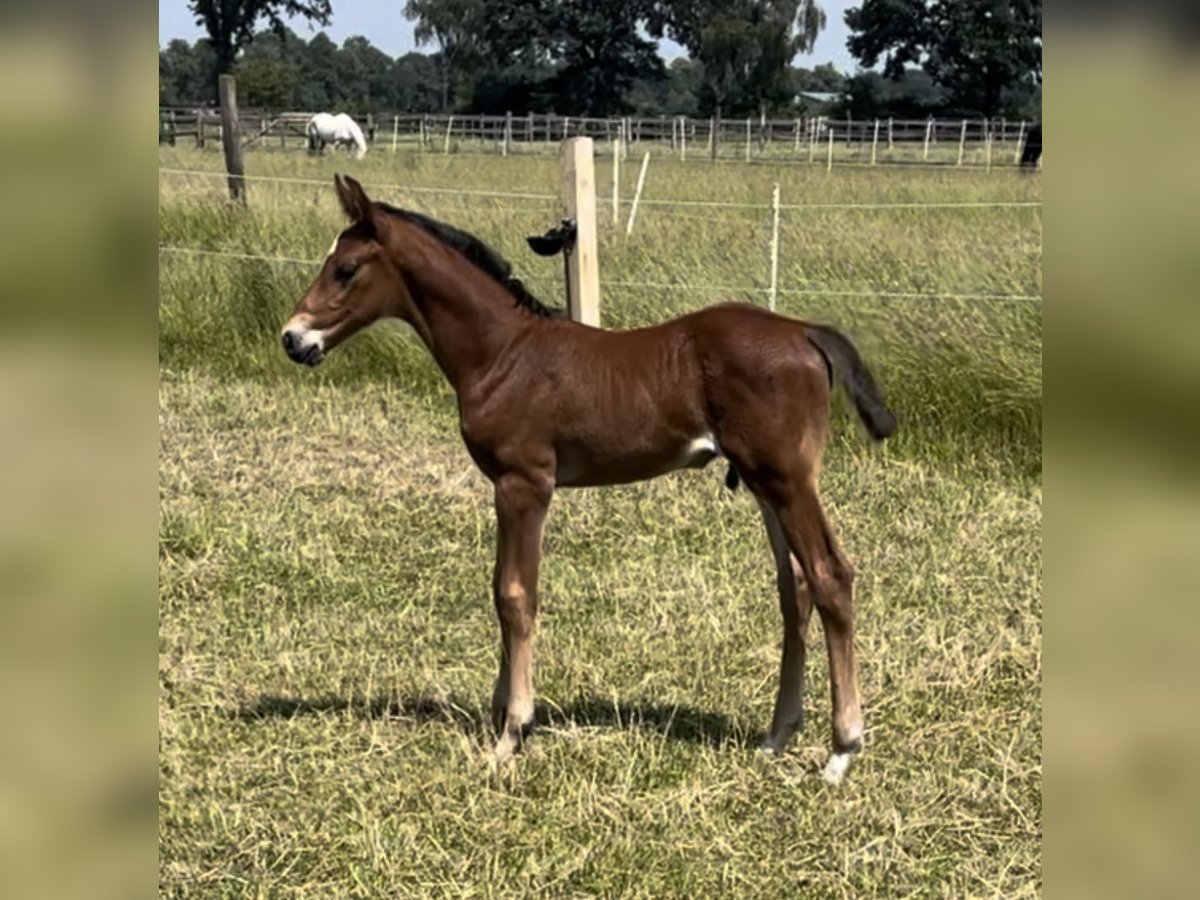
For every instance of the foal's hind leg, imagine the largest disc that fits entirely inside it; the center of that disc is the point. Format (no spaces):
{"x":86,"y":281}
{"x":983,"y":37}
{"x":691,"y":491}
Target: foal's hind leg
{"x":521,"y":505}
{"x":795,"y":604}
{"x":831,"y":580}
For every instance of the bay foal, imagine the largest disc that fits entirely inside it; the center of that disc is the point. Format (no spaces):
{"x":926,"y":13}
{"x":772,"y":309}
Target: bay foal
{"x":545,"y":402}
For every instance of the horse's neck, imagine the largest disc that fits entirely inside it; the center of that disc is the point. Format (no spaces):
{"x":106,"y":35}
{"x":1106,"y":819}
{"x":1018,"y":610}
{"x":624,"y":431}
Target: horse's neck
{"x":468,"y":319}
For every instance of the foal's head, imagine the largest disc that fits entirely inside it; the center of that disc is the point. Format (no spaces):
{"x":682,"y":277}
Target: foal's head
{"x":358,"y":282}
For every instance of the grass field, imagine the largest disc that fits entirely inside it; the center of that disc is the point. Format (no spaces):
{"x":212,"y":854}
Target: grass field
{"x":327,"y":640}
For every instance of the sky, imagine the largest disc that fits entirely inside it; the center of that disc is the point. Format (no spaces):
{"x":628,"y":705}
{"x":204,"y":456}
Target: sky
{"x":381,"y":22}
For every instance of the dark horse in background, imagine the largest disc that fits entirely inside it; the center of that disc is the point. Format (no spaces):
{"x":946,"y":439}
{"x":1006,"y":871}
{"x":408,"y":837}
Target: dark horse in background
{"x":1031,"y":153}
{"x":546,"y":403}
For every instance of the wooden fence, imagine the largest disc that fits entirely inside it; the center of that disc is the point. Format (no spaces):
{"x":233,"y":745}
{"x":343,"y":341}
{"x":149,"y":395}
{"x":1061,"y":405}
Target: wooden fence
{"x":805,"y":138}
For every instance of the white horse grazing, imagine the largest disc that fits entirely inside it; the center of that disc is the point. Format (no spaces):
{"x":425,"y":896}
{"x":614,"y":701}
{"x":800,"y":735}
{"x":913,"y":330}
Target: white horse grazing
{"x":324,"y":128}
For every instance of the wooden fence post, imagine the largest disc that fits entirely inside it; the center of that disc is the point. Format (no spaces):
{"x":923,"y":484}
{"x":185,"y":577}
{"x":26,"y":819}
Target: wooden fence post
{"x":1020,"y":141}
{"x":773,"y":295}
{"x":200,"y":130}
{"x":507,"y":133}
{"x":928,"y":134}
{"x":583,"y":263}
{"x":829,"y":159}
{"x":747,"y":140}
{"x":449,"y":128}
{"x":875,"y":142}
{"x":962,"y":141}
{"x":683,"y":139}
{"x":637,"y":194}
{"x":232,"y":139}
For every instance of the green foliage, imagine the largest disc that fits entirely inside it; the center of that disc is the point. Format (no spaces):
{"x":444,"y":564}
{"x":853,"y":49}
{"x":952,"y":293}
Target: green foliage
{"x":415,"y":83}
{"x":870,"y":95}
{"x":745,"y":46}
{"x":283,"y":71}
{"x":986,"y":54}
{"x":269,"y":83}
{"x":581,"y":56}
{"x":455,"y":26}
{"x":185,"y":73}
{"x":600,"y":55}
{"x":825,"y":78}
{"x":230,"y":23}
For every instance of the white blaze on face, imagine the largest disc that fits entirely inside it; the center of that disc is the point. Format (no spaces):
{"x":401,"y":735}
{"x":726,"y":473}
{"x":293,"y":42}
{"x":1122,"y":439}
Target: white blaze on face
{"x":333,"y":246}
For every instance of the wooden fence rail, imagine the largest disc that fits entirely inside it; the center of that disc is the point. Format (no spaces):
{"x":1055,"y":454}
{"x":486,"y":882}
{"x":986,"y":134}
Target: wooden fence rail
{"x":873,"y":140}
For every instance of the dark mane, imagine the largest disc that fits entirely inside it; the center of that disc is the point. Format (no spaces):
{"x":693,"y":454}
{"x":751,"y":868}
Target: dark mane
{"x":480,"y":254}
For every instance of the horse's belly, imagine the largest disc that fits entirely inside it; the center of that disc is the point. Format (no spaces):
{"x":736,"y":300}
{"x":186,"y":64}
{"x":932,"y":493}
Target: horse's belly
{"x":581,"y":465}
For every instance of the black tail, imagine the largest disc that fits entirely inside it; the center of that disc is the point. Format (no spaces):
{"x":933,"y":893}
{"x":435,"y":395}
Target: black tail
{"x":848,"y":368}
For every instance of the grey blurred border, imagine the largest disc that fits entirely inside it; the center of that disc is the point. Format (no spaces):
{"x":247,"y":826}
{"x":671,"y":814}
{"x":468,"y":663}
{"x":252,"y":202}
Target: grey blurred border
{"x":1122,"y":374}
{"x":78,"y":387}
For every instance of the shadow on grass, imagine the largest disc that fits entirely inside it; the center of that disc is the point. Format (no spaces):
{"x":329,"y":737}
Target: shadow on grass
{"x":678,"y":723}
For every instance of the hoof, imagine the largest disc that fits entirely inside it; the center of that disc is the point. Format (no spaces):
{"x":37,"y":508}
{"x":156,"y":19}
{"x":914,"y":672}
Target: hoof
{"x":512,"y":739}
{"x":504,"y":751}
{"x":770,"y":748}
{"x":835,"y":770}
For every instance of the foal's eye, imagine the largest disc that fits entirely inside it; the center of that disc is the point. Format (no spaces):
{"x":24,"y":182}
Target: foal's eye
{"x":343,"y":272}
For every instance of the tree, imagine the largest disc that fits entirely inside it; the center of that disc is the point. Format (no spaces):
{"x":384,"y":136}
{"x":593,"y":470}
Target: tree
{"x":986,"y":54}
{"x":684,"y":80}
{"x":824,"y":79}
{"x":320,"y":83}
{"x":456,"y":26}
{"x":870,"y":95}
{"x":599,"y":55}
{"x":416,"y":84}
{"x":185,"y":74}
{"x":230,"y":23}
{"x":744,"y":46}
{"x":364,"y":71}
{"x":522,"y":55}
{"x":265,"y":83}
{"x":268,"y":70}
{"x":678,"y":94}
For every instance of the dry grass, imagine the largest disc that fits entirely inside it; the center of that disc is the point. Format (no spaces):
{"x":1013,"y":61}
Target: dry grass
{"x":327,"y":644}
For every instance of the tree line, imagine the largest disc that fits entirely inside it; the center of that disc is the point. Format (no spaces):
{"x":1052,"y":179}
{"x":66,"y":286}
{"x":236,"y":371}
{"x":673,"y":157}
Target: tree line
{"x":599,"y":58}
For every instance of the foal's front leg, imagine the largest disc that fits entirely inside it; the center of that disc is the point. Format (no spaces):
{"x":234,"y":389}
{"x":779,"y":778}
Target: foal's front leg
{"x":521,"y":504}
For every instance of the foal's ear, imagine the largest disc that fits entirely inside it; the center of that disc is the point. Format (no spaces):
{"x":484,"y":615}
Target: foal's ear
{"x":355,"y":203}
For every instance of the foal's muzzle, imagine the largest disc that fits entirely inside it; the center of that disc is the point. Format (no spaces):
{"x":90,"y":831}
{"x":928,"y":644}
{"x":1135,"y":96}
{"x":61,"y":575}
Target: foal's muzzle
{"x":301,"y":347}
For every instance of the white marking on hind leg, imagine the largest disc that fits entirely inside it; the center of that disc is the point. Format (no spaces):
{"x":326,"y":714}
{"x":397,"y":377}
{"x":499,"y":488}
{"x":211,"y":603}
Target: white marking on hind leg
{"x":836,"y":768}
